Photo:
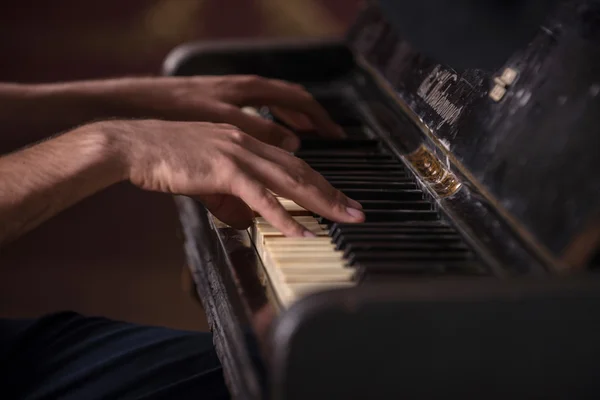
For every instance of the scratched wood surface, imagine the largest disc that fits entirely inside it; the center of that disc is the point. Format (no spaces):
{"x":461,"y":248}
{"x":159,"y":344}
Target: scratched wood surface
{"x":533,"y":150}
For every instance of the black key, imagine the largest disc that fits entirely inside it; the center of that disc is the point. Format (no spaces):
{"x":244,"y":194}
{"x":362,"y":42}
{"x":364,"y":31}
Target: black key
{"x":349,"y":169}
{"x":389,"y":246}
{"x":330,"y":98}
{"x":403,"y":269}
{"x":393,"y":215}
{"x":412,"y":226}
{"x":336,"y":233}
{"x":355,"y":132}
{"x":395,"y":205}
{"x":406,"y":185}
{"x":375,"y":194}
{"x":341,"y":238}
{"x":332,"y":153}
{"x":339,"y":144}
{"x":344,"y":240}
{"x":365,"y":258}
{"x":355,"y":164}
{"x":340,"y":109}
{"x":417,"y":228}
{"x":347,"y":119}
{"x":362,"y":178}
{"x":362,"y":174}
{"x":371,"y":159}
{"x":366,"y":173}
{"x":367,"y":158}
{"x":400,"y":215}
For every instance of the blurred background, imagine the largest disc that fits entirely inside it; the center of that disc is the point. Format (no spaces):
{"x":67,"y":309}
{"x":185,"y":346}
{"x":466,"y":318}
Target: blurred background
{"x":119,"y":253}
{"x":74,"y":39}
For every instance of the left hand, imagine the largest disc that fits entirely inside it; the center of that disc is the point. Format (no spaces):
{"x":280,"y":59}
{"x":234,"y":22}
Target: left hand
{"x":220,"y":98}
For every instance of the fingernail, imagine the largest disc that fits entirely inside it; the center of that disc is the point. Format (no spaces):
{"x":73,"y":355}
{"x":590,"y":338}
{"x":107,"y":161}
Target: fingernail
{"x":354,"y":213}
{"x":355,"y":204}
{"x":290,"y":143}
{"x":309,"y":234}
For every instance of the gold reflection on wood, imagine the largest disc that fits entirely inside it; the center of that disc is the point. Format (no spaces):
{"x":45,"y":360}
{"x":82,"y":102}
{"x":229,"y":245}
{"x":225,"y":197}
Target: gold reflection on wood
{"x":441,"y":180}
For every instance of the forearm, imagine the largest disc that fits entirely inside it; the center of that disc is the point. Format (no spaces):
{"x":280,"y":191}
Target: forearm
{"x":29,"y":113}
{"x":40,"y":181}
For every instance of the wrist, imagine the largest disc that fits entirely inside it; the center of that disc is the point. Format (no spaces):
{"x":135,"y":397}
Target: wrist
{"x":106,"y":144}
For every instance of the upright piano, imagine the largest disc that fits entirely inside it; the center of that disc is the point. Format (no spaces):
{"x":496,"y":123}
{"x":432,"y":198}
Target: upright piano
{"x":474,"y":275}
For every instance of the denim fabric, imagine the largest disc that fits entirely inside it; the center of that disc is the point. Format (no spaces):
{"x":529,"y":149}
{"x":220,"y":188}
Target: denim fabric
{"x":70,"y":356}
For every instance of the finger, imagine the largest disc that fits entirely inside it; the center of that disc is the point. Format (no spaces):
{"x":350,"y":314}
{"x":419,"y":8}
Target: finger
{"x":292,"y":165}
{"x":260,"y":128}
{"x":294,"y":180}
{"x":228,"y":209}
{"x":296,"y":120}
{"x":253,"y":193}
{"x":275,"y":92}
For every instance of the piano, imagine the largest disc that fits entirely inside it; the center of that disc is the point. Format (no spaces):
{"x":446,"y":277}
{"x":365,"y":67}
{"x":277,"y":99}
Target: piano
{"x":474,"y":274}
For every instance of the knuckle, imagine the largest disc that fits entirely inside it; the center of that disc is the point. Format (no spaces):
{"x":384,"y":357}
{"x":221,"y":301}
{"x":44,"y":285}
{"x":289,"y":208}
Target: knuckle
{"x":227,"y":167}
{"x":225,"y":126}
{"x":300,"y":166}
{"x":249,"y":80}
{"x":267,"y":198}
{"x":295,"y":179}
{"x":237,"y":136}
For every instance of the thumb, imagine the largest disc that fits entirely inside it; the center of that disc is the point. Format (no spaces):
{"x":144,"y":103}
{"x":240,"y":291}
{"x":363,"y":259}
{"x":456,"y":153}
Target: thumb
{"x":228,"y":209}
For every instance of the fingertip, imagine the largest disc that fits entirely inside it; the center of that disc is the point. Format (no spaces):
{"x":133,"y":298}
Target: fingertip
{"x":290,"y":143}
{"x":309,"y":234}
{"x":333,"y":130}
{"x":355,"y":214}
{"x":354,"y":204}
{"x":339,"y":131}
{"x":296,"y":230}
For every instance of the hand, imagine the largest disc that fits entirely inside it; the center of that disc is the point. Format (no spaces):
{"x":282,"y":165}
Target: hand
{"x":227,"y":170}
{"x":220,"y":98}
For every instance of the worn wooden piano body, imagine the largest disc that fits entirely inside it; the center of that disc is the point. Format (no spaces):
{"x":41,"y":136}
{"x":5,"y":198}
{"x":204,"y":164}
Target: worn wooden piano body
{"x":501,"y":163}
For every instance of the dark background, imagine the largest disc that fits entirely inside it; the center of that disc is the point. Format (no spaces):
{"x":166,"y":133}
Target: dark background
{"x":119,"y":253}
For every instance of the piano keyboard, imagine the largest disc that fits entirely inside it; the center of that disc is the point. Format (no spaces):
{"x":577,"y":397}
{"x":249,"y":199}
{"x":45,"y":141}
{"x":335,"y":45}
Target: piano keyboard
{"x":297,"y":266}
{"x":404,"y":235}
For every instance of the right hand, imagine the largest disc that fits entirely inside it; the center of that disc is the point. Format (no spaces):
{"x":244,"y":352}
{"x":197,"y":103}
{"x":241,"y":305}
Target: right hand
{"x":227,"y":170}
